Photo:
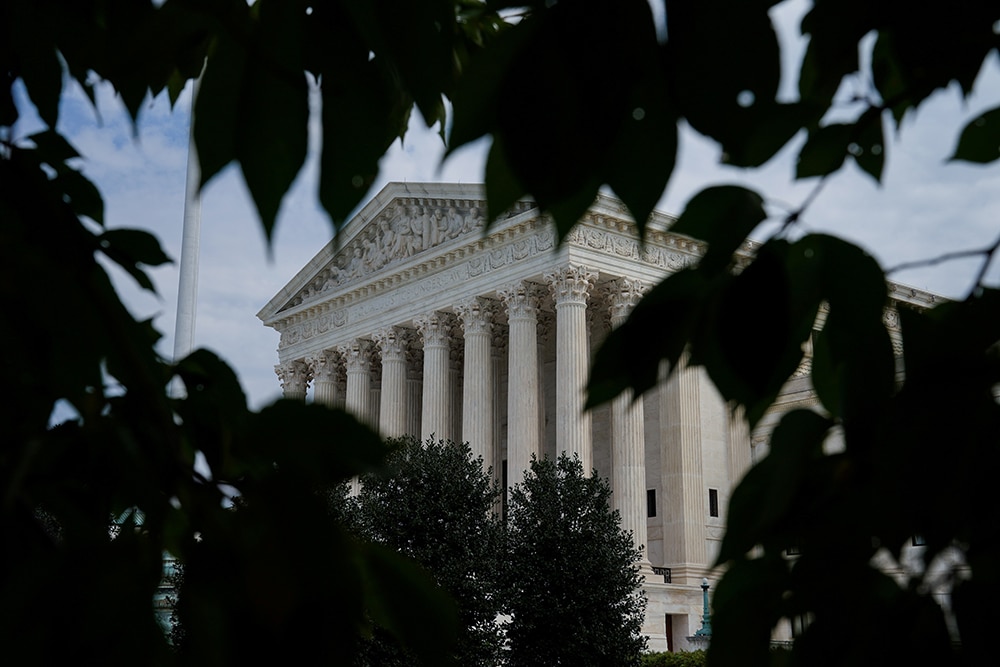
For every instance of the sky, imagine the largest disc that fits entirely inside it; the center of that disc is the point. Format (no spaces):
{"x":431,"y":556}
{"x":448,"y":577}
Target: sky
{"x":925,"y":206}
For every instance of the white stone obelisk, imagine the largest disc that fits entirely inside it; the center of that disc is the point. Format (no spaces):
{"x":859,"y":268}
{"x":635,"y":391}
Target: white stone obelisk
{"x":187,"y":285}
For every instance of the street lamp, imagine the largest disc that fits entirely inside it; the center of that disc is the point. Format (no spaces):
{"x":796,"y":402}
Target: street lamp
{"x":706,"y":619}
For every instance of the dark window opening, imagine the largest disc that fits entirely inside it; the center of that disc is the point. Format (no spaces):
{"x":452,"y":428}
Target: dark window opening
{"x":713,"y":502}
{"x":651,"y":503}
{"x":504,"y":491}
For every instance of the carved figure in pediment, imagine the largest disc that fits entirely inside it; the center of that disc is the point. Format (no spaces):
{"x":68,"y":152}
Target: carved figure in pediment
{"x":455,"y":222}
{"x":403,"y":244}
{"x":417,"y":241}
{"x":374,"y":256}
{"x":357,"y":264}
{"x":388,"y":238}
{"x":332,"y":278}
{"x":428,"y":228}
{"x":473,"y":219}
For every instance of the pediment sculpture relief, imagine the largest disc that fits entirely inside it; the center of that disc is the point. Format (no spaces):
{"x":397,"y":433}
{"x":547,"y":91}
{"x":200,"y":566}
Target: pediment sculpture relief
{"x":406,"y":227}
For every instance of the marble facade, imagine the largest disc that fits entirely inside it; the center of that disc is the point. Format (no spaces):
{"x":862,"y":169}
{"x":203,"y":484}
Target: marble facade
{"x":419,"y":322}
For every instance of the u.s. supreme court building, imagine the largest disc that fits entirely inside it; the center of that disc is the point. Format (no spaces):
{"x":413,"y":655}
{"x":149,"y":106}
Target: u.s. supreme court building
{"x":418,"y":323}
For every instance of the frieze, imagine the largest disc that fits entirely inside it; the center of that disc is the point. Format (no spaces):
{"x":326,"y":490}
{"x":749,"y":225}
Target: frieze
{"x":312,"y":326}
{"x":664,"y":251}
{"x":497,"y":257}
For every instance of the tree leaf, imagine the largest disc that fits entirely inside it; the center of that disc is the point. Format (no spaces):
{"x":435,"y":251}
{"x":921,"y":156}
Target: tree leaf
{"x":218,"y":105}
{"x":868,"y":149}
{"x":405,"y":600}
{"x":53,"y":148}
{"x":980,"y":139}
{"x":722,"y":216}
{"x":363,"y":112}
{"x":477,"y":94}
{"x":80,"y":193}
{"x":214,"y":410}
{"x":130,"y":248}
{"x":746,"y":606}
{"x":750,"y":365}
{"x":631,"y":355}
{"x":416,"y":40}
{"x":763,"y":503}
{"x":274,"y":111}
{"x":643,"y":157}
{"x":502,"y":188}
{"x":35,"y":58}
{"x":824,"y":151}
{"x":732,"y":45}
{"x":329,"y":445}
{"x":834,"y":30}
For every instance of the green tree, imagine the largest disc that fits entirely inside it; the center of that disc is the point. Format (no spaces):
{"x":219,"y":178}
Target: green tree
{"x":437,"y":505}
{"x":575,"y":595}
{"x":277,"y":578}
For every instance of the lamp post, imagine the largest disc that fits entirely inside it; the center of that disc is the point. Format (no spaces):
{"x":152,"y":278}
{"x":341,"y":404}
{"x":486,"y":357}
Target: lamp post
{"x":706,"y":619}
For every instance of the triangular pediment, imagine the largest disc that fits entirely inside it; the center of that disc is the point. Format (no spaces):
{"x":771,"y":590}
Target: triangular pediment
{"x":403,"y":222}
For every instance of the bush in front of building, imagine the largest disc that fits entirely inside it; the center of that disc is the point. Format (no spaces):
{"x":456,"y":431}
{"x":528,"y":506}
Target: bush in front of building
{"x":674,"y":659}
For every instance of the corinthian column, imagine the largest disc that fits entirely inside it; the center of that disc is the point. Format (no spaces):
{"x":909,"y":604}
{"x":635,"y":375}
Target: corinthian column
{"x":435,"y":418}
{"x":294,"y":379}
{"x":357,"y":361}
{"x":521,"y":301}
{"x":477,"y":405}
{"x":628,"y":445}
{"x":570,"y":288}
{"x":392,"y":344}
{"x":324,"y":366}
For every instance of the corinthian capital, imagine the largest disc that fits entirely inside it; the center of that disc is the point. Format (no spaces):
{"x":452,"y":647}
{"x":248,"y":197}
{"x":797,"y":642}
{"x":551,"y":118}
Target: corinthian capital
{"x":571,"y":283}
{"x":434,"y":329}
{"x":623,"y":295}
{"x":476,"y":315}
{"x":392,"y":343}
{"x":521,"y":300}
{"x":356,"y":355}
{"x":294,"y":377}
{"x":323,"y":366}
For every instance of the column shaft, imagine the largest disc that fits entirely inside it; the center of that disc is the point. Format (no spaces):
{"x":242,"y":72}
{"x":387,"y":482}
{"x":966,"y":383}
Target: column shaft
{"x":357,"y":361}
{"x":435,"y":419}
{"x":477,"y":403}
{"x":392,"y":407}
{"x":570,"y":288}
{"x":522,"y":379}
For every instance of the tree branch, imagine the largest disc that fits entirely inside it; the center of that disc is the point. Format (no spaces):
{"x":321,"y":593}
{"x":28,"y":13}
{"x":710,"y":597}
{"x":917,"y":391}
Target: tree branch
{"x":988,"y":253}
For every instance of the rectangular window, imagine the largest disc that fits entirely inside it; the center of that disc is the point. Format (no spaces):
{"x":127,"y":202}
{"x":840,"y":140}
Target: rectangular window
{"x":651,"y":503}
{"x":713,"y":502}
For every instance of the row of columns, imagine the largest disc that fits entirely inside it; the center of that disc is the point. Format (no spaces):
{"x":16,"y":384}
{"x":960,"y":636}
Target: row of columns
{"x":571,"y":288}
